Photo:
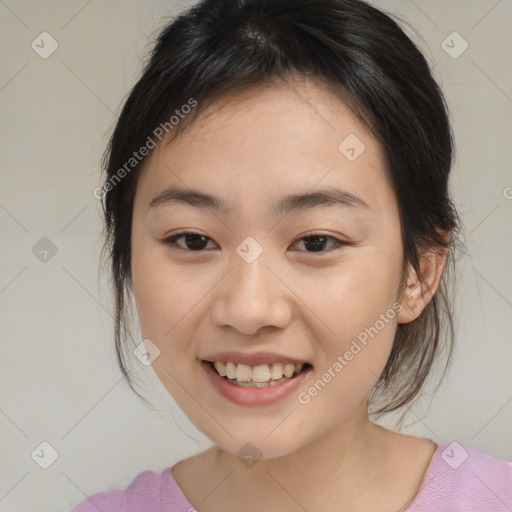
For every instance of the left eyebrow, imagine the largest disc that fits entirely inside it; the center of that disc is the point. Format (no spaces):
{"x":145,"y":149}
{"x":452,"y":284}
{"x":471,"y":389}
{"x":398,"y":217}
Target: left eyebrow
{"x":326,"y":197}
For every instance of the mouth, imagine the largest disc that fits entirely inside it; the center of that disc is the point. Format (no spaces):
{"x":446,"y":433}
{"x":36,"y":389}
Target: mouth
{"x":259,"y":376}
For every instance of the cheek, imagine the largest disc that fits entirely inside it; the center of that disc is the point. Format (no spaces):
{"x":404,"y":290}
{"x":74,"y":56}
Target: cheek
{"x":165,"y":297}
{"x":350,"y":297}
{"x":362,"y":325}
{"x":355,"y":324}
{"x":170,"y":300}
{"x":161,"y":293}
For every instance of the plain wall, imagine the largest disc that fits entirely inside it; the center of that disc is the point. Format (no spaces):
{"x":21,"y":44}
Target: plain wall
{"x":59,"y":380}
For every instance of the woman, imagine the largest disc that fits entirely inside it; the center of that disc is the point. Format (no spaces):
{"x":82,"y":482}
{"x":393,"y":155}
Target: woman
{"x":277,"y":202}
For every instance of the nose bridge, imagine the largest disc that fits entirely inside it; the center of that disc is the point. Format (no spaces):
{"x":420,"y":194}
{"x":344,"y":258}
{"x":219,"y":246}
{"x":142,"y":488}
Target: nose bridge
{"x":252,"y":296}
{"x":251,"y":275}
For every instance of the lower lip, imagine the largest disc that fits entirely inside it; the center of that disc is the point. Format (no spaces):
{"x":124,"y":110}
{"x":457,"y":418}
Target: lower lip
{"x":242,"y":395}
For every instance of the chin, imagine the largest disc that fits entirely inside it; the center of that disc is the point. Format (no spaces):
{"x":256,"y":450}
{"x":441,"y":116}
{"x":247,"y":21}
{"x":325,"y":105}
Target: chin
{"x":252,"y":449}
{"x":255,"y":443}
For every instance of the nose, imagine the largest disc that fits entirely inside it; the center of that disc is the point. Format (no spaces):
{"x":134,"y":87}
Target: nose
{"x":251,"y":298}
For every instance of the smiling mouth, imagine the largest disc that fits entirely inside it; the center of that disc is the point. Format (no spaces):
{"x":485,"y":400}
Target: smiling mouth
{"x":260,"y":376}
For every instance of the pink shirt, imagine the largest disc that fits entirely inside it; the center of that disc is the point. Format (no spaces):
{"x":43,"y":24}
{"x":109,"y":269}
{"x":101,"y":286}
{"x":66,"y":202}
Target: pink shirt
{"x":458,"y":479}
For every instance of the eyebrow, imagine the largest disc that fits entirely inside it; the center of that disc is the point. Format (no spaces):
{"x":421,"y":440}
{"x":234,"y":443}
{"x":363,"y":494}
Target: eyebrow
{"x":325,"y":197}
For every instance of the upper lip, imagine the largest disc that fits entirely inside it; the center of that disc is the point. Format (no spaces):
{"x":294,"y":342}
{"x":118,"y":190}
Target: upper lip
{"x":253,"y":359}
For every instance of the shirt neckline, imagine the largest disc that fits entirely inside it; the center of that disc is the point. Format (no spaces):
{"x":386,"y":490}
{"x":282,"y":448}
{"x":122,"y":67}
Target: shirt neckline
{"x":167,"y":474}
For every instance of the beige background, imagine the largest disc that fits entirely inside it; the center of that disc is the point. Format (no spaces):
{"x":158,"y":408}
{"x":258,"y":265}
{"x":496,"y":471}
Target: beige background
{"x":59,"y":379}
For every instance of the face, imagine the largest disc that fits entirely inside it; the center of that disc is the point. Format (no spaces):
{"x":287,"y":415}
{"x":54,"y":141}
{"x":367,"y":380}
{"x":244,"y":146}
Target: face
{"x":259,"y":284}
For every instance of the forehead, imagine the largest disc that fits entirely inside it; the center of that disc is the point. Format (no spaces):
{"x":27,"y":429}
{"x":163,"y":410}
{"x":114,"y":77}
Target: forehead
{"x":261,"y":141}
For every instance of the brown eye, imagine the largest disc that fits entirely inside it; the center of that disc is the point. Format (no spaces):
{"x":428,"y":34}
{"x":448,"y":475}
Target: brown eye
{"x":193,"y":242}
{"x":317,"y":242}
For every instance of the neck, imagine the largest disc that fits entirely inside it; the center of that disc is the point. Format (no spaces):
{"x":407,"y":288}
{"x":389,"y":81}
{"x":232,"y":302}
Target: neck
{"x":346,"y":462}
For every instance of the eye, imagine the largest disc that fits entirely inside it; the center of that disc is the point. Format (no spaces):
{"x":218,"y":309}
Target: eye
{"x":318,"y":241}
{"x":195,"y":242}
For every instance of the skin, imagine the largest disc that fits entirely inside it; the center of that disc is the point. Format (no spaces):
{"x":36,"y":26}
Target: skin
{"x":250,"y":149}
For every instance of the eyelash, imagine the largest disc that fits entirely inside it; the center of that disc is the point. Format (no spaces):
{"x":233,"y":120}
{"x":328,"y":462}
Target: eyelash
{"x":171,"y":242}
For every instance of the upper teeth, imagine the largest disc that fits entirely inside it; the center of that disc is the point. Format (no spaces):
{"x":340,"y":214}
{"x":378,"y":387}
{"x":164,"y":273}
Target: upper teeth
{"x":260,"y":373}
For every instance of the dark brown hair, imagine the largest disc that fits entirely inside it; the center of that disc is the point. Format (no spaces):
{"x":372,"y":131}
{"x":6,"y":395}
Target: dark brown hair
{"x":365,"y":58}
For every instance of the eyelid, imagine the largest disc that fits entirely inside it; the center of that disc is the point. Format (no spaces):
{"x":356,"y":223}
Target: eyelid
{"x":338,"y":243}
{"x":170,"y":241}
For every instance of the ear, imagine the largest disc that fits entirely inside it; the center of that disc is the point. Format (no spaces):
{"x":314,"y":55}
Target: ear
{"x":419,"y":292}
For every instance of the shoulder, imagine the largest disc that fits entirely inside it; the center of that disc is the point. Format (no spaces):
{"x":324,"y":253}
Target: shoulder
{"x":461,"y":478}
{"x":143,"y":493}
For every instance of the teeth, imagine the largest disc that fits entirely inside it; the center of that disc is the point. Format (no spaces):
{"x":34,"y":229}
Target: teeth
{"x":260,"y":373}
{"x":259,"y":376}
{"x":277,"y":371}
{"x":288,"y":370}
{"x":221,"y":368}
{"x":243,"y":373}
{"x":230,"y":370}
